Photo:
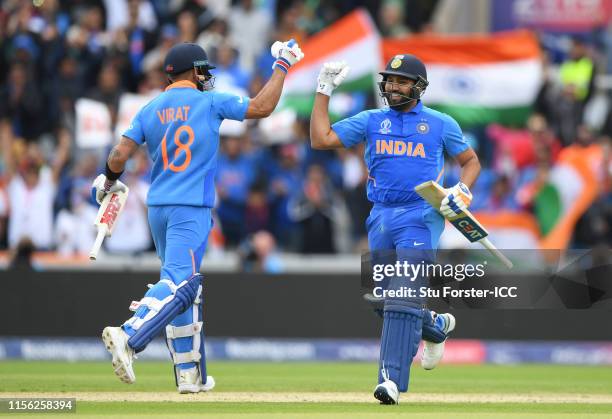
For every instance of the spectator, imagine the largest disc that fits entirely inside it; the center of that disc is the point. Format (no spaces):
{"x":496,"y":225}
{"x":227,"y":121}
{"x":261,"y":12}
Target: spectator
{"x":130,"y":44}
{"x":31,"y":188}
{"x":21,"y":256}
{"x":213,"y":35}
{"x":501,"y":197}
{"x":188,"y":26}
{"x":154,"y":59}
{"x":117,"y":12}
{"x":578,"y":72}
{"x":66,"y":87}
{"x":355,"y":177}
{"x":228,"y":74}
{"x":289,"y":25}
{"x":235,"y":175}
{"x":285,"y":180}
{"x":249,"y":29}
{"x":392,"y":19}
{"x":257,"y":213}
{"x":108,"y":90}
{"x":258,"y":254}
{"x":22,"y":104}
{"x":314,"y":210}
{"x":74,"y":230}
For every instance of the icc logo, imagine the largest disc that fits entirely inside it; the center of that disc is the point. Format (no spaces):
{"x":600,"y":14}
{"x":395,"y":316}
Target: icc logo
{"x":385,"y":126}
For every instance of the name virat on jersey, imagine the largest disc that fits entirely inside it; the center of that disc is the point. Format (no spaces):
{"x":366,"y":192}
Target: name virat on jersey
{"x":167,"y":115}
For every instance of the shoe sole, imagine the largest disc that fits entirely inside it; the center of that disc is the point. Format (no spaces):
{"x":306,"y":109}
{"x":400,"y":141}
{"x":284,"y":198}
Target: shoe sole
{"x":189,"y":389}
{"x":118,"y":366}
{"x":383,"y":396}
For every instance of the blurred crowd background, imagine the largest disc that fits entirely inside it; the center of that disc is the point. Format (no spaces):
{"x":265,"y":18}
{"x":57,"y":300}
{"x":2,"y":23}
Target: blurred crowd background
{"x":273,"y":196}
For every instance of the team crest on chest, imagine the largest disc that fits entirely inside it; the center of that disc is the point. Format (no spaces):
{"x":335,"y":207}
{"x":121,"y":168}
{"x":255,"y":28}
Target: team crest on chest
{"x":385,"y":126}
{"x":422,"y":128}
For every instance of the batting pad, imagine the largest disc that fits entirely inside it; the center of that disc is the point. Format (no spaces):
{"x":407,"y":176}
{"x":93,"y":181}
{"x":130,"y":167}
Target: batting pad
{"x":162,"y":303}
{"x":399,"y":344}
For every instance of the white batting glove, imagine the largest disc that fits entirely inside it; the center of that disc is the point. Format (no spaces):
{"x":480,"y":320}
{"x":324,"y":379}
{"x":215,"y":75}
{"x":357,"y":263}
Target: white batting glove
{"x":102,"y":187}
{"x":286,"y":54}
{"x":457,"y":199}
{"x":331,"y":76}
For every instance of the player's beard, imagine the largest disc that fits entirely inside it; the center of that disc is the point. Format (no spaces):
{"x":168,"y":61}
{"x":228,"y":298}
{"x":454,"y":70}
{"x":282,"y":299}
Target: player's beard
{"x":399,"y":103}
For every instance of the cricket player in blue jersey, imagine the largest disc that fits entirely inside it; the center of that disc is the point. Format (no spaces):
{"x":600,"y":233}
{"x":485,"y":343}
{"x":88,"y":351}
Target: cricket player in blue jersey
{"x":180,"y":128}
{"x":404,"y":146}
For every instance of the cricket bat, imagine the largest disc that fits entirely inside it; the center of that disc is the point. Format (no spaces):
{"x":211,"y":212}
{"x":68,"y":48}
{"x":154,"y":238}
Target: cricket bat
{"x":111,"y":207}
{"x":465,"y":222}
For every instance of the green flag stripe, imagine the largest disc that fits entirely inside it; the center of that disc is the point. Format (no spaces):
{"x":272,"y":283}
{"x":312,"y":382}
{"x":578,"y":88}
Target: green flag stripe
{"x":548,"y":208}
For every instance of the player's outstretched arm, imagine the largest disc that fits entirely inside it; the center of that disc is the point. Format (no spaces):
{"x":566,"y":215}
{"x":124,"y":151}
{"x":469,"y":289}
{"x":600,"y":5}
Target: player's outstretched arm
{"x":108,"y":181}
{"x":322,"y":136}
{"x":286,"y":54}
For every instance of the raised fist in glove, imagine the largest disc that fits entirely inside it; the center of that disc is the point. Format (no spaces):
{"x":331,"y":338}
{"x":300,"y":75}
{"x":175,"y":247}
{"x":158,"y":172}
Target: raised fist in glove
{"x":102,"y":187}
{"x":457,"y":199}
{"x":286,"y":54}
{"x":331,"y":76}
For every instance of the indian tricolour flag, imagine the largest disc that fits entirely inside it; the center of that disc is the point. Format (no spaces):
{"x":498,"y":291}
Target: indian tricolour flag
{"x":477,"y":79}
{"x":353,"y":39}
{"x":573,"y":184}
{"x":570,"y":189}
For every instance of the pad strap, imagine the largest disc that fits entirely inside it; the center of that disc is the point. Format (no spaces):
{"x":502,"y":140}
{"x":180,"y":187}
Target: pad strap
{"x":184,"y":357}
{"x":174,"y":332}
{"x":194,"y":329}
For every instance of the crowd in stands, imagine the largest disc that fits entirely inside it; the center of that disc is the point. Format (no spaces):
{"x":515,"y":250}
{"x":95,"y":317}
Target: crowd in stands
{"x":282,"y":196}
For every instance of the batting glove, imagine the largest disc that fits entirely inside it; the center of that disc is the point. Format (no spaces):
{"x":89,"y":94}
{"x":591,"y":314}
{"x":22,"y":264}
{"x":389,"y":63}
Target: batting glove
{"x":102,"y":187}
{"x":331,"y":76}
{"x":457,"y":199}
{"x":286,"y":54}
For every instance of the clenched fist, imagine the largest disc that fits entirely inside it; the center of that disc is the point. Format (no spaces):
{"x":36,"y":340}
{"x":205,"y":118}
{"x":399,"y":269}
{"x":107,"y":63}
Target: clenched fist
{"x":102,"y":187}
{"x":457,"y":199}
{"x":286,"y":54}
{"x":331,"y":76}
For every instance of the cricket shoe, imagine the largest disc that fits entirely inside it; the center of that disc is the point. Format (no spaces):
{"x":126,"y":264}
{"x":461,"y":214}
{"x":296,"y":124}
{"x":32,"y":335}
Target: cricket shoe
{"x":189,"y":381}
{"x":387,"y":392}
{"x":116,"y":342}
{"x":433,"y":352}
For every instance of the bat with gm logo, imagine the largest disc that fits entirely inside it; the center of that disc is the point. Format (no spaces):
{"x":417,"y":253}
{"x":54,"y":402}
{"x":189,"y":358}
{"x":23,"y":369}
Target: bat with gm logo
{"x":111,"y":207}
{"x":465,"y":221}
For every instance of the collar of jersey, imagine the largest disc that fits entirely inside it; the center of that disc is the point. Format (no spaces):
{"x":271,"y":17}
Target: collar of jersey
{"x":181,"y":84}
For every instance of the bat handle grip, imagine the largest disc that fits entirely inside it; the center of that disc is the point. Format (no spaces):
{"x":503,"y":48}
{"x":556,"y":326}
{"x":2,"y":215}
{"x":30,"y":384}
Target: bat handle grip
{"x":495,"y":252}
{"x":93,"y":255}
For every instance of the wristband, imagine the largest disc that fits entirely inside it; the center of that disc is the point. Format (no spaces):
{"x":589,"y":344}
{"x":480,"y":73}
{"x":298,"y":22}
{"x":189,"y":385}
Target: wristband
{"x":110,"y":175}
{"x":282,"y":64}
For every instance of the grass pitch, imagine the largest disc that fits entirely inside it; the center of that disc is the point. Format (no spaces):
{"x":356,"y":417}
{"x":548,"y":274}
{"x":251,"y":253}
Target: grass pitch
{"x":319,"y":389}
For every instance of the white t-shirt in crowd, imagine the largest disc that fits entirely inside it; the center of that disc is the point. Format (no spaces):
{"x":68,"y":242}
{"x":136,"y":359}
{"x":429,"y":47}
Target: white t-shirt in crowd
{"x":32,"y":210}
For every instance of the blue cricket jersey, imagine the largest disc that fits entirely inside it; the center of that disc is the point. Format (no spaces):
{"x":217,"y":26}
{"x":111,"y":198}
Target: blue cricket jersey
{"x":181,"y":130}
{"x":402,"y":150}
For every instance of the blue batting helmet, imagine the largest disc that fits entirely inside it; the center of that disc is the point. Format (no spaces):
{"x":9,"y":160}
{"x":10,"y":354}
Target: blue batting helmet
{"x":185,"y":56}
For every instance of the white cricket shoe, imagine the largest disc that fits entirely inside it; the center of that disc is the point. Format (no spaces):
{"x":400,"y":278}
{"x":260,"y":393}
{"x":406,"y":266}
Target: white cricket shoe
{"x":387,"y":392}
{"x":433,"y":352}
{"x":189,"y":381}
{"x":116,"y":342}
